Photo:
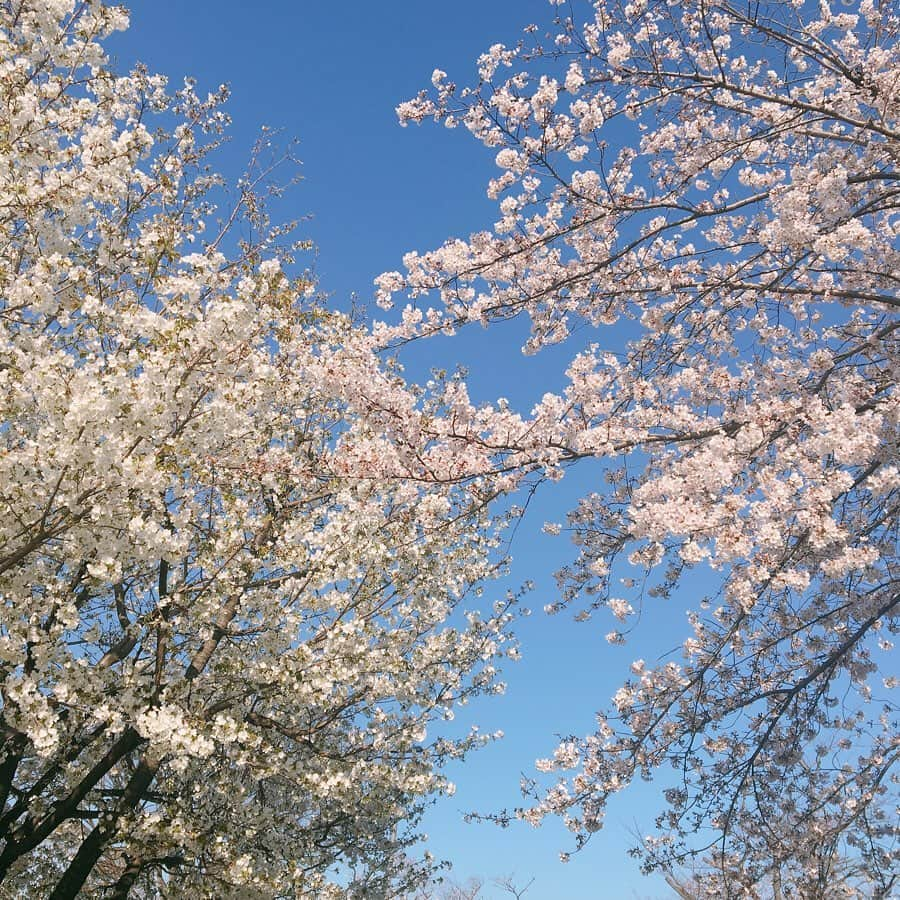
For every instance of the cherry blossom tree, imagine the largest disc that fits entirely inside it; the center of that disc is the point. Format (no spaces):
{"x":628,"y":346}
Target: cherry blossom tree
{"x":710,"y":191}
{"x":230,"y":547}
{"x":781,"y":864}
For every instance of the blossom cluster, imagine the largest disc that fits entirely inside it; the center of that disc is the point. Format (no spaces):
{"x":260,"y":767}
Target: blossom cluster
{"x":709,"y":191}
{"x":235,"y":545}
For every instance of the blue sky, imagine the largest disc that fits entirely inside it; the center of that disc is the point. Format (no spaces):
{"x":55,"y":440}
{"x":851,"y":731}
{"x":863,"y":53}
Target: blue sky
{"x":331,"y":75}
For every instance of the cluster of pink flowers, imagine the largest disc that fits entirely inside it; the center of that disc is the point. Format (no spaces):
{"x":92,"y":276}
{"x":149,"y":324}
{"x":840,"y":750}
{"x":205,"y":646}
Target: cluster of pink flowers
{"x":721,"y":178}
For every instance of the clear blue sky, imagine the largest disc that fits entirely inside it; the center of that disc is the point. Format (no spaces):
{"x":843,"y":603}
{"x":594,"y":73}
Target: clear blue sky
{"x":331,"y":75}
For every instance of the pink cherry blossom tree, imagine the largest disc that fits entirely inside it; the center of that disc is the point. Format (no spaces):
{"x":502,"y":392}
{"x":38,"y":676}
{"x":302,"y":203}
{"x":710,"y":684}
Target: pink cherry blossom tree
{"x":711,"y":191}
{"x":229,"y":546}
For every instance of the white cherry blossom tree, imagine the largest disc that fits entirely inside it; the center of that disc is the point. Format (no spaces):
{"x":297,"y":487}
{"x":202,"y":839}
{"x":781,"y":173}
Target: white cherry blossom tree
{"x":230,"y":543}
{"x":710,"y":190}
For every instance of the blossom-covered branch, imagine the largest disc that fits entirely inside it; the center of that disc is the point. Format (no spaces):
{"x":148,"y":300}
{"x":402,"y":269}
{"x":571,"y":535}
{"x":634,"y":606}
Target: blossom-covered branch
{"x":229,"y":544}
{"x":711,"y":191}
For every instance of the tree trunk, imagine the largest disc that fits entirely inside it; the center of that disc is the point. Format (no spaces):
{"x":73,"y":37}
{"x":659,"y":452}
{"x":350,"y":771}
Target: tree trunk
{"x":92,"y":847}
{"x":30,"y":834}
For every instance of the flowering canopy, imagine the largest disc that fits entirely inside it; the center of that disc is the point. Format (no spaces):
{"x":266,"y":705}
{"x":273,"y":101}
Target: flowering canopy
{"x":710,"y":189}
{"x":228,"y":551}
